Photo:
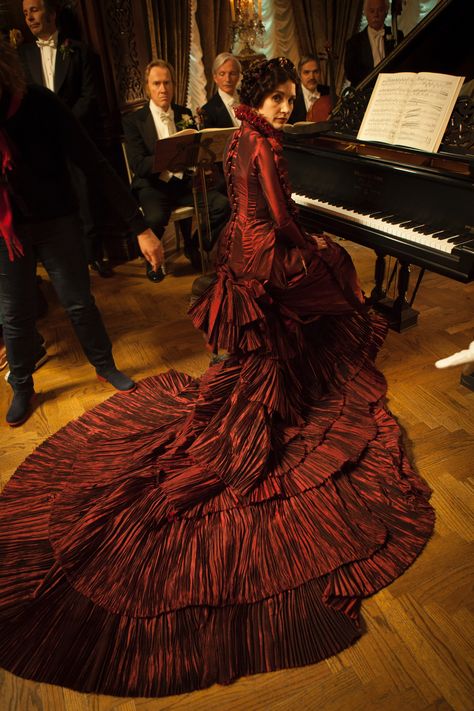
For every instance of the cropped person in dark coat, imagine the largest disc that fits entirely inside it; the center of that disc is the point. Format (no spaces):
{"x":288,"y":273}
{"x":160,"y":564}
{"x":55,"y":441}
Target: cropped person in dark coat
{"x":366,"y":49}
{"x":310,"y":91}
{"x":160,"y":193}
{"x":39,"y":138}
{"x":66,"y":66}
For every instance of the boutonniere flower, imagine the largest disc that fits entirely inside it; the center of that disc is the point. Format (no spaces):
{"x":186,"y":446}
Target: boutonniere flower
{"x":66,"y":48}
{"x":186,"y":121}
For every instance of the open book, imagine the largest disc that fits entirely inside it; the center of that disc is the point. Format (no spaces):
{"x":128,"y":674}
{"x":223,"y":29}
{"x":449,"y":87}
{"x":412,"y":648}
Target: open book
{"x":190,"y":148}
{"x":410,"y":109}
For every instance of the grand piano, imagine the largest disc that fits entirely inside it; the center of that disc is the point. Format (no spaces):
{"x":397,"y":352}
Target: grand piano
{"x":416,"y":207}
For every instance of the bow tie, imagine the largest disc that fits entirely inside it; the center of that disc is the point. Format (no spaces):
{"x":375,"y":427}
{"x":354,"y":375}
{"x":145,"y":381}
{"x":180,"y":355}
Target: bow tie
{"x":165,"y":117}
{"x":46,"y":43}
{"x":379,"y":33}
{"x":313,"y":97}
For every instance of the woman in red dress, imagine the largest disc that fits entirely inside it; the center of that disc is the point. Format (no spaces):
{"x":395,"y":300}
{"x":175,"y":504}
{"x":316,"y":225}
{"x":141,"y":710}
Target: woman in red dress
{"x":203,"y":529}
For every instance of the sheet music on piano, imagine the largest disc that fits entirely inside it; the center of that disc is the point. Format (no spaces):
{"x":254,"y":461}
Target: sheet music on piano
{"x":410,"y":109}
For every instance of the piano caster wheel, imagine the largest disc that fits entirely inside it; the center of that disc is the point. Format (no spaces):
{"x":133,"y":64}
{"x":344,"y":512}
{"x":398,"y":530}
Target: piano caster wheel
{"x":399,"y":319}
{"x":467,"y":381}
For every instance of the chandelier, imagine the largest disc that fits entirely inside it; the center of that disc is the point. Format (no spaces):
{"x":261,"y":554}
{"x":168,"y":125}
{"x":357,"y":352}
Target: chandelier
{"x":247,"y":26}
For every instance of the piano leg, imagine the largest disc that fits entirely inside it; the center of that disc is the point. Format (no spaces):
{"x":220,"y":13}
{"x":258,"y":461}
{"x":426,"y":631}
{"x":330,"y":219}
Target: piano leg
{"x":378,"y":292}
{"x":398,"y":311}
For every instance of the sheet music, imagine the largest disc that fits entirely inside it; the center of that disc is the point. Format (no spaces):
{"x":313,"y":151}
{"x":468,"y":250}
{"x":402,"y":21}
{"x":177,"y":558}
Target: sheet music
{"x":386,"y":107}
{"x":410,"y":109}
{"x":431,"y":99}
{"x":188,"y":148}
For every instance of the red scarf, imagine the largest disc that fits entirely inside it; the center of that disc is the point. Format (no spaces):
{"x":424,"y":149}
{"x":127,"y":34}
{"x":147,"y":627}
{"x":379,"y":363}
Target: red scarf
{"x":14,"y":245}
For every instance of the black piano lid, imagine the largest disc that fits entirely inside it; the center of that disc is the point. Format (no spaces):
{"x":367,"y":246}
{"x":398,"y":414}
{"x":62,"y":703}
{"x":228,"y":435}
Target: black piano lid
{"x":456,"y":158}
{"x":442,"y":42}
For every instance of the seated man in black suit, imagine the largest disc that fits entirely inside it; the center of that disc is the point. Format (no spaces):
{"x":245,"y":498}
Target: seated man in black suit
{"x":159,"y":193}
{"x":366,"y":49}
{"x":218,"y":112}
{"x":66,"y":66}
{"x":310,"y":90}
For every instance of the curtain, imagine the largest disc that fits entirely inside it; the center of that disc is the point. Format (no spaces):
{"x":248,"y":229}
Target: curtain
{"x":172,"y":35}
{"x":305,"y":13}
{"x":343,"y":20}
{"x":213,"y":19}
{"x":321,"y":21}
{"x":197,"y":79}
{"x":280,"y":31}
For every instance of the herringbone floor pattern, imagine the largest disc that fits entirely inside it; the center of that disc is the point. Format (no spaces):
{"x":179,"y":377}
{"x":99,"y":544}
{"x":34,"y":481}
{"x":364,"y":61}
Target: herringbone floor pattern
{"x":417,"y":652}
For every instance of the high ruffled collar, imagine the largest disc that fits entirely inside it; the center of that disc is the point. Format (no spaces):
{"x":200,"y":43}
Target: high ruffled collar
{"x":260,"y":124}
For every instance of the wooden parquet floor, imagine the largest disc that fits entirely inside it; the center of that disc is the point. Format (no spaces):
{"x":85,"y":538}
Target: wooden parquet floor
{"x":417,"y":653}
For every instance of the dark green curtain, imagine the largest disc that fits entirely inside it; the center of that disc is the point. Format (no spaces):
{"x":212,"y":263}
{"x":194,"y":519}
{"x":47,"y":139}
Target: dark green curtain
{"x":213,"y":20}
{"x":173,"y":39}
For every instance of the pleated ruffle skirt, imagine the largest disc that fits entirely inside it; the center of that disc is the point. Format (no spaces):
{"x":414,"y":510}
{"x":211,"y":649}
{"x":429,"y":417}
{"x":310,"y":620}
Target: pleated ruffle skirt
{"x":198,"y":530}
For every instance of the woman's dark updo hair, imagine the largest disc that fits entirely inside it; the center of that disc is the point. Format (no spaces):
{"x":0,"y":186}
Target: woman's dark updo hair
{"x":263,"y":76}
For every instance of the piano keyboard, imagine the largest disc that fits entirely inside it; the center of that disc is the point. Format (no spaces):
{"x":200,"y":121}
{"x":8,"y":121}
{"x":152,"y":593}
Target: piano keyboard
{"x":389,"y":224}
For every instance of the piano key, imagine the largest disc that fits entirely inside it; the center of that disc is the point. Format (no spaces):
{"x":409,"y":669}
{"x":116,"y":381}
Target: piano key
{"x":385,"y":221}
{"x":460,"y":239}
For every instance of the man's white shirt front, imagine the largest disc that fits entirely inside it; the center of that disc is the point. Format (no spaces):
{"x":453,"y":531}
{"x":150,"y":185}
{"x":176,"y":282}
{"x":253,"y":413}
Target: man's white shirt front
{"x":377,"y":44}
{"x":229,"y":103}
{"x":310,"y":97}
{"x":48,"y":50}
{"x":165,"y":127}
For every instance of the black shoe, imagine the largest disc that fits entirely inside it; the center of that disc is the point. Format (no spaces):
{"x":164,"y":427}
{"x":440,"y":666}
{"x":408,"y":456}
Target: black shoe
{"x":102,"y":268}
{"x":118,"y":380}
{"x":157,"y":276}
{"x":20,"y":407}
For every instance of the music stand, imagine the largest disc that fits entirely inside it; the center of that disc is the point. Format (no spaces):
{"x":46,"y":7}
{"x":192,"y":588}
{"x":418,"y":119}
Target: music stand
{"x":194,"y":152}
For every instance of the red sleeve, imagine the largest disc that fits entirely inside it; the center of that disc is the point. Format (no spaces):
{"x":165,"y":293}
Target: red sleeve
{"x":276,"y":200}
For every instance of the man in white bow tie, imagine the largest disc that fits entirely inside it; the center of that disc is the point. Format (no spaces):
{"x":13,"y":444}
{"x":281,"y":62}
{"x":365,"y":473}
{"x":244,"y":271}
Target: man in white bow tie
{"x":219,"y":111}
{"x":368,"y":48}
{"x":159,"y":193}
{"x":66,"y":66}
{"x":310,"y":90}
{"x":60,"y":63}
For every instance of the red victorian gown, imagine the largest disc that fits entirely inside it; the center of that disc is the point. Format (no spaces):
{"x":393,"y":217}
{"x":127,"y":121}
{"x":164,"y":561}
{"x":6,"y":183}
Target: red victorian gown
{"x":200,"y":529}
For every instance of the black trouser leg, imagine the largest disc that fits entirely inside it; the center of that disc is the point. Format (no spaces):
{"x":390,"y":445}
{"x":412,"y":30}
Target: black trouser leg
{"x":91,"y":216}
{"x":62,"y":254}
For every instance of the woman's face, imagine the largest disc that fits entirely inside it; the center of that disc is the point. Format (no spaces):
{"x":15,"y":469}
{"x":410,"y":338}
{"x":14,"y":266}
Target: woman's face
{"x":278,"y":105}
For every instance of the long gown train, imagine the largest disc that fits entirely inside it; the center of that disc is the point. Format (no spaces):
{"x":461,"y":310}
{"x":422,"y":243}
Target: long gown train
{"x":201,"y":529}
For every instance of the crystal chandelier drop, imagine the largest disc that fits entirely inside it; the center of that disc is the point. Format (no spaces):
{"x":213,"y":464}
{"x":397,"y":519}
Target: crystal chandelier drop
{"x":247,"y":26}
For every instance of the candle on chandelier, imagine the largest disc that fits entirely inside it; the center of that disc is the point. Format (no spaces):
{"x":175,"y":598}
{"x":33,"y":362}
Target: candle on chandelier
{"x":259,"y":9}
{"x":232,"y":10}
